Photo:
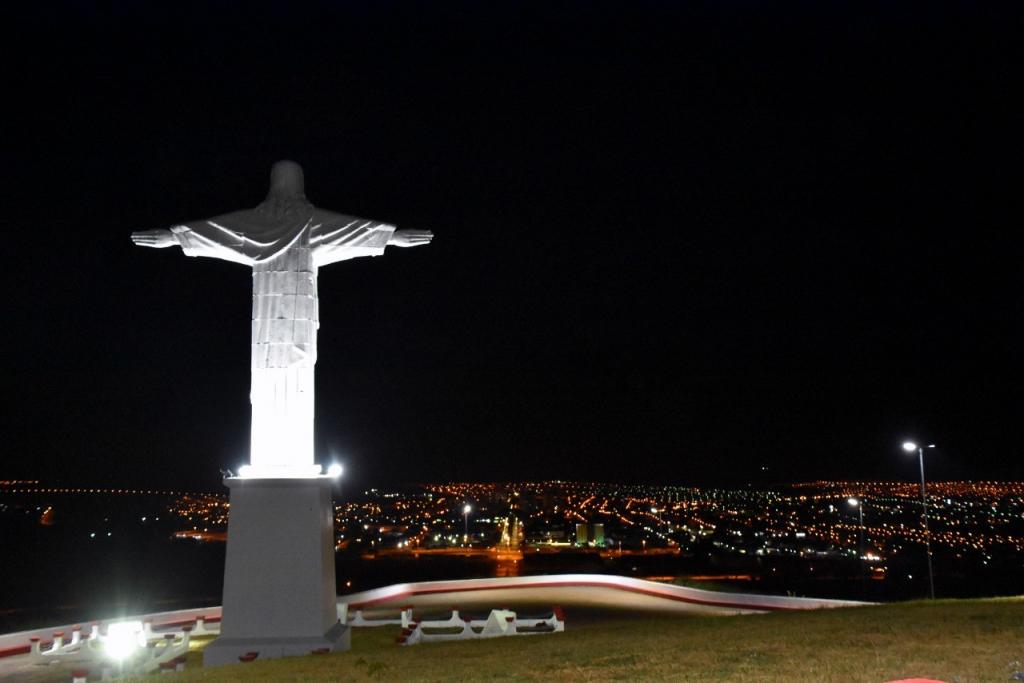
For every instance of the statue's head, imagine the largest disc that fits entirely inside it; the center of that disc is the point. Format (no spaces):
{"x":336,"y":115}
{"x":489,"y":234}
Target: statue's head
{"x":286,"y":181}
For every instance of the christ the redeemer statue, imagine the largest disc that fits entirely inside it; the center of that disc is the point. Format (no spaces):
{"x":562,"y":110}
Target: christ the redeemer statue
{"x":285,"y":240}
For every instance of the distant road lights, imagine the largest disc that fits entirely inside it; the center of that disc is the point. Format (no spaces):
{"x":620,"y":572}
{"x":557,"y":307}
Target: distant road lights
{"x":334,"y":470}
{"x":861,"y":552}
{"x":910,"y":447}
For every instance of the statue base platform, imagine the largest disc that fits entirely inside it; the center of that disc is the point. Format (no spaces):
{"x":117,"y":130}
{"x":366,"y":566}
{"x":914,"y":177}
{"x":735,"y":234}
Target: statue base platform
{"x":280,"y":598}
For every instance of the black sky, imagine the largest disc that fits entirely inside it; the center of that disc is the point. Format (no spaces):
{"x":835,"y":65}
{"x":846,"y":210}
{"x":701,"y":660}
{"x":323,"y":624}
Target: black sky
{"x":674,"y":242}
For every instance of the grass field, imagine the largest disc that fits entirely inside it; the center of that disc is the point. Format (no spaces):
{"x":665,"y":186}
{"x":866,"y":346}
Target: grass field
{"x":961,"y":640}
{"x":965,"y":641}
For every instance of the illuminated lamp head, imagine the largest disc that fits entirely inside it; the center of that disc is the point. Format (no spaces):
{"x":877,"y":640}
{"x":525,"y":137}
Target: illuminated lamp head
{"x":123,"y":639}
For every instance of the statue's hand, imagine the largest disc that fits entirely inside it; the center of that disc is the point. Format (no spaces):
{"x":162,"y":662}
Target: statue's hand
{"x":158,"y":239}
{"x":410,"y":238}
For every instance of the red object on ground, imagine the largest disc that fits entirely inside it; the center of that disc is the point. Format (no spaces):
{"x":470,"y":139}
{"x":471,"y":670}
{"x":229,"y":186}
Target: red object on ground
{"x":248,"y":656}
{"x":916,"y":680}
{"x":321,"y":651}
{"x":79,"y":673}
{"x":167,"y":665}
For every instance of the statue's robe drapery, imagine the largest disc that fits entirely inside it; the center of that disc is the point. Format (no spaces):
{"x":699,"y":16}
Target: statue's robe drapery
{"x":285,"y":243}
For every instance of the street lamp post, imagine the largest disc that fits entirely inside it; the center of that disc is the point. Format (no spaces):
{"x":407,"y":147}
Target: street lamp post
{"x":910,"y":447}
{"x":860,"y":515}
{"x":467,"y":508}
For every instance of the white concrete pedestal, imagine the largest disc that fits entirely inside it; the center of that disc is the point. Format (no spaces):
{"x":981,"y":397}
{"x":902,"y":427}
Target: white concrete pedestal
{"x":279,"y":591}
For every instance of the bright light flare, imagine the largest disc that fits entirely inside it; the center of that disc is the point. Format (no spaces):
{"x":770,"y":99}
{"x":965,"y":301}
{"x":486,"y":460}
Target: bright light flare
{"x":467,"y":509}
{"x":123,"y":639}
{"x":909,"y":446}
{"x":334,"y":470}
{"x":853,"y":502}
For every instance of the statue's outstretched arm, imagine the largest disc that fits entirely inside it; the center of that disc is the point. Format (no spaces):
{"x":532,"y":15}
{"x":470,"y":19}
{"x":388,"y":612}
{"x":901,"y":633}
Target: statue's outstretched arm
{"x":410,"y":238}
{"x":157,"y":239}
{"x":213,"y":237}
{"x":337,"y":237}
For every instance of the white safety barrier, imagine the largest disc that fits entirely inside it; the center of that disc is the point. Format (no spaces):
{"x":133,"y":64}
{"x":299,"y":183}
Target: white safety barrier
{"x":500,"y":622}
{"x":105,"y":651}
{"x":118,"y":647}
{"x":204,"y":620}
{"x":359,"y":619}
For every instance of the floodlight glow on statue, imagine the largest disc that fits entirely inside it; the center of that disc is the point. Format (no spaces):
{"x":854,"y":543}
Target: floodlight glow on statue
{"x":285,"y":240}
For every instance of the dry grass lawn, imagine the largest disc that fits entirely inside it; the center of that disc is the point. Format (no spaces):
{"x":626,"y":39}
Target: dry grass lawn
{"x":955,"y":640}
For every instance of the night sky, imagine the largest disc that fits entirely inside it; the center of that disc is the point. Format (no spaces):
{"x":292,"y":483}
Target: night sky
{"x":674,"y":243}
